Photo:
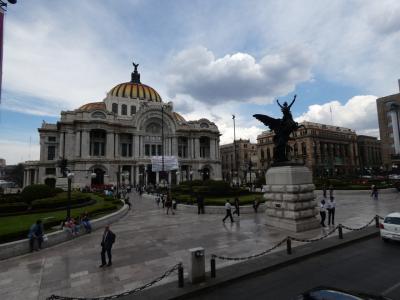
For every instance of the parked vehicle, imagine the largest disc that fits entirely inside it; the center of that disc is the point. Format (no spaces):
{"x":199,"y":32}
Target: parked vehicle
{"x":329,"y":293}
{"x":390,"y":227}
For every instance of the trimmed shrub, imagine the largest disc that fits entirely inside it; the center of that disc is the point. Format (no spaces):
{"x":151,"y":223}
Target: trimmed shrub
{"x":10,"y":198}
{"x":37,"y":191}
{"x":13,"y":207}
{"x":60,"y":200}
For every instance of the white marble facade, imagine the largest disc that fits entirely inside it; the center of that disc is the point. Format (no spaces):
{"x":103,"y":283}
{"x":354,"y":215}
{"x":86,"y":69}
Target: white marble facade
{"x":119,"y":135}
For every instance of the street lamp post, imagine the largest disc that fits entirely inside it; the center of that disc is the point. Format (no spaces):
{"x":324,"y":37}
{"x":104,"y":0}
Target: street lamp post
{"x":234,"y":149}
{"x":69,"y":176}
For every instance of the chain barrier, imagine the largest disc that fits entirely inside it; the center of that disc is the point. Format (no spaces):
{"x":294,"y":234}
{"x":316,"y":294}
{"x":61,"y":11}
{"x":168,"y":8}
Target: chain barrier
{"x":381,"y":218}
{"x":131,"y":292}
{"x":359,"y":228}
{"x":294,"y":239}
{"x":316,"y":239}
{"x":251,"y":256}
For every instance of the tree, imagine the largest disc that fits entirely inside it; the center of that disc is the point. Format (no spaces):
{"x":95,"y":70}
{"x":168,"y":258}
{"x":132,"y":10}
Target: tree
{"x":15,"y":173}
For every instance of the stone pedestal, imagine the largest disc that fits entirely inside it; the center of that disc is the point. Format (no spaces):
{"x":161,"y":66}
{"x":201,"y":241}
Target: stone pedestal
{"x":290,"y":200}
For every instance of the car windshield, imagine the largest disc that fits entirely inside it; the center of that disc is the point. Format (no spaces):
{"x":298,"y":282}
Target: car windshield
{"x":392,"y":220}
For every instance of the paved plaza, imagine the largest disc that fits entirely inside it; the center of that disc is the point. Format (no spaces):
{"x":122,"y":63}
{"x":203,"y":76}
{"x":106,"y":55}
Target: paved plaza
{"x":149,"y":242}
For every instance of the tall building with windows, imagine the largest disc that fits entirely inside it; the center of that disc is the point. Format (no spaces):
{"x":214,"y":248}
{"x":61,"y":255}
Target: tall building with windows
{"x":326,"y":150}
{"x":388,"y":108}
{"x":239,"y":160}
{"x":121,"y":136}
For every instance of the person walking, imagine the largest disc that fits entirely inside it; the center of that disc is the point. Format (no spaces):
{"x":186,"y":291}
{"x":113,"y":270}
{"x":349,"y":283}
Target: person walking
{"x":256,"y":204}
{"x":200,"y":204}
{"x":127,"y":202}
{"x":331,"y":211}
{"x":106,"y":244}
{"x":322,"y":212}
{"x":374,"y":192}
{"x":228,"y":210}
{"x":324,"y":190}
{"x":36,"y":234}
{"x":168,"y":204}
{"x":237,"y":207}
{"x":330,"y":191}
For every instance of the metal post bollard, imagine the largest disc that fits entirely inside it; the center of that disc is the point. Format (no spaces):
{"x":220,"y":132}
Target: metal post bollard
{"x":180,"y":275}
{"x":213,"y":267}
{"x":377,"y":221}
{"x":288,"y":245}
{"x":340,"y":231}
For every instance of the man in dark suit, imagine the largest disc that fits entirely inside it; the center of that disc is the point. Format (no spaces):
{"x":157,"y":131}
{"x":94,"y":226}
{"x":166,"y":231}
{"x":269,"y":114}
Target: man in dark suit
{"x":200,"y":204}
{"x":106,"y":245}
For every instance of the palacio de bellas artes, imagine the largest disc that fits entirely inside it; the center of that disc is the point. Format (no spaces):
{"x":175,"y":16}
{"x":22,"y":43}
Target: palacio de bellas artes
{"x":123,"y":138}
{"x":199,"y":150}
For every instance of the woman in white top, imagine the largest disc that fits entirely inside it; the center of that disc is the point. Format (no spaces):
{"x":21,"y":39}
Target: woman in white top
{"x":322,"y":212}
{"x":331,"y":211}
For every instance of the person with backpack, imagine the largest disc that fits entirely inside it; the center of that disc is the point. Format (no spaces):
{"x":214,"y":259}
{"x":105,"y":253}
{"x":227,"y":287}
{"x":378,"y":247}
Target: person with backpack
{"x":106,"y":244}
{"x":228,"y":210}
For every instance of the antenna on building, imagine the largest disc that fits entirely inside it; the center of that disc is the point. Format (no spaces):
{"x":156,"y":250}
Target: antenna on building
{"x":398,"y":80}
{"x":330,"y":109}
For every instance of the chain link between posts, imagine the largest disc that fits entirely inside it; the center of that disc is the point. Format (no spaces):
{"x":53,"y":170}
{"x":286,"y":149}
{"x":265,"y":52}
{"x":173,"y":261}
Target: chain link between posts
{"x":131,"y":292}
{"x":294,"y":239}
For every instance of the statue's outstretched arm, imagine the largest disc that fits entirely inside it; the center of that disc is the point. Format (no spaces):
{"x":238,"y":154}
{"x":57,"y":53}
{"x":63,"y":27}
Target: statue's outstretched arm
{"x":294,"y":99}
{"x":277,"y":101}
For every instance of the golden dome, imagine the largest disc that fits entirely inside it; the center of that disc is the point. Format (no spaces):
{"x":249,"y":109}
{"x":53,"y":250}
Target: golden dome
{"x":135,"y":89}
{"x":93,"y":106}
{"x":178,"y":117}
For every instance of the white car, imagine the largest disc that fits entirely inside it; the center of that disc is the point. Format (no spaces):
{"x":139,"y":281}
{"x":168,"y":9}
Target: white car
{"x":390,"y":227}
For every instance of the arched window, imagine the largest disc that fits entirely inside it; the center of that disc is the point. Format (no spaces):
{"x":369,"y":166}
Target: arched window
{"x":133,"y":110}
{"x":125,"y":144}
{"x":124,"y":110}
{"x":114,"y":108}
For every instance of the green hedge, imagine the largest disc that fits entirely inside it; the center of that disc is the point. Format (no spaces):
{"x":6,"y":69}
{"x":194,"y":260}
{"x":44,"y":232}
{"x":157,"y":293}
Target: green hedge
{"x":13,"y":207}
{"x":37,"y":191}
{"x":60,"y":200}
{"x":10,"y":198}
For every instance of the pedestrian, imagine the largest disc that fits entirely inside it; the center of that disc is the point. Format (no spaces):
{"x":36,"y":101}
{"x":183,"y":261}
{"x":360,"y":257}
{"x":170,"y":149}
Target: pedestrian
{"x":36,"y":235}
{"x":331,"y":211}
{"x":127,"y":202}
{"x":228,"y":210}
{"x":256,"y":204}
{"x":324,"y":190}
{"x":237,"y":207}
{"x":330,"y":190}
{"x":374,"y":192}
{"x":106,"y":244}
{"x":168,"y":204}
{"x":158,"y":200}
{"x":200,"y":204}
{"x":163,"y":200}
{"x":322,"y":212}
{"x":86,"y":223}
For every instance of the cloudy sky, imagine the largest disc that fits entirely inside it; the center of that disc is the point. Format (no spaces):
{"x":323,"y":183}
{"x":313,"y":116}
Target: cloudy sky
{"x":211,"y":58}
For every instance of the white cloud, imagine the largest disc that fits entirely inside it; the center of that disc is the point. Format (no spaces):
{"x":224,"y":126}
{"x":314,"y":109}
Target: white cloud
{"x":237,"y":77}
{"x":15,"y":152}
{"x":358,"y":113}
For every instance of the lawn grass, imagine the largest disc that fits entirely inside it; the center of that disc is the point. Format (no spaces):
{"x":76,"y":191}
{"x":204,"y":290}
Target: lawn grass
{"x":22,"y":223}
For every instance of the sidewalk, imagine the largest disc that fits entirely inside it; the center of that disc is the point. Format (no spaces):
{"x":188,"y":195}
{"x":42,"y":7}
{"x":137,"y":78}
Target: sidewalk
{"x":149,"y":242}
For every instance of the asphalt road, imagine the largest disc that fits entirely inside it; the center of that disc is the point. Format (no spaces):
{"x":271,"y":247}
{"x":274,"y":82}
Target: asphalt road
{"x":370,"y":266}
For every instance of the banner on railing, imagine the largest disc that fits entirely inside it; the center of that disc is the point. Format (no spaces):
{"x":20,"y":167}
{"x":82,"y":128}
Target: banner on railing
{"x":170,"y":163}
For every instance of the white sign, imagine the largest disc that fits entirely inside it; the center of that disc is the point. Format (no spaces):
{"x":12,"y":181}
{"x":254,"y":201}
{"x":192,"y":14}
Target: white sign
{"x":170,"y":163}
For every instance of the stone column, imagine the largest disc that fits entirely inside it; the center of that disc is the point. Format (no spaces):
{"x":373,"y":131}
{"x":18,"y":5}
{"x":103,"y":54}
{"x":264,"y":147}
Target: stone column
{"x":116,"y":152}
{"x":169,"y":177}
{"x":77,"y":143}
{"x":61,"y":148}
{"x":137,"y":176}
{"x":395,"y":126}
{"x":110,"y":144}
{"x":85,"y":144}
{"x":135,"y":150}
{"x":197,"y":148}
{"x":157,"y":177}
{"x":212,"y":149}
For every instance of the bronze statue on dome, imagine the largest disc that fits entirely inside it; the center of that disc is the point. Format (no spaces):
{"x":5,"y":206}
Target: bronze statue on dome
{"x":135,"y":66}
{"x":282,"y":128}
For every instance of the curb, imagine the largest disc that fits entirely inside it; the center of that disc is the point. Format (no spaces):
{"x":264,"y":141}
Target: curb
{"x":21,"y":247}
{"x":254,"y":267}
